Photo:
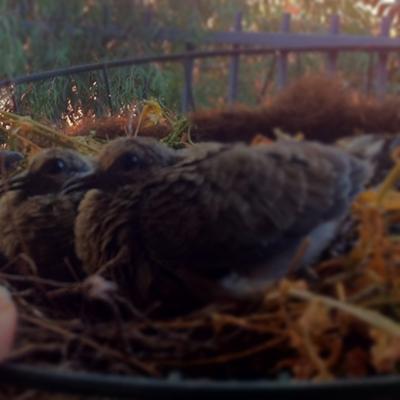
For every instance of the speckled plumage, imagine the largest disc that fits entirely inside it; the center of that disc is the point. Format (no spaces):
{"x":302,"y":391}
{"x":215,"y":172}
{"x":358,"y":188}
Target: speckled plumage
{"x":221,"y":210}
{"x":36,"y":221}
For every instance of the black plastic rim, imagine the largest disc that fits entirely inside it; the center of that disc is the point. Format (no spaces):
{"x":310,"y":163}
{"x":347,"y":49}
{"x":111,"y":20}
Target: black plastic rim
{"x":124,"y":386}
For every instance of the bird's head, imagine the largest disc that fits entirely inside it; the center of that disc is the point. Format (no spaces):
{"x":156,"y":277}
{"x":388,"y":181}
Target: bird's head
{"x":125,"y":161}
{"x":47,"y":172}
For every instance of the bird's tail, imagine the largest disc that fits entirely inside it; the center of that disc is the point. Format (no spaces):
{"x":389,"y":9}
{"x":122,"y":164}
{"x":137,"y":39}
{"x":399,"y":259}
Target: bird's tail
{"x":360,"y":174}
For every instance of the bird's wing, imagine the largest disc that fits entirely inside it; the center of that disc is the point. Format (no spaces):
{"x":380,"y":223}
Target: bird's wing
{"x":332,"y":179}
{"x":265,"y":193}
{"x":41,"y":227}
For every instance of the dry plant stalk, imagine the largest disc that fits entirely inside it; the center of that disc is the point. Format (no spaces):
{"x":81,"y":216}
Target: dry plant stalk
{"x":31,"y":136}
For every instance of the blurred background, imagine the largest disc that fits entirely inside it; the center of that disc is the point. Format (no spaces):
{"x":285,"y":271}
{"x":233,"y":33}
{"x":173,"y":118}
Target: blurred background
{"x":45,"y":35}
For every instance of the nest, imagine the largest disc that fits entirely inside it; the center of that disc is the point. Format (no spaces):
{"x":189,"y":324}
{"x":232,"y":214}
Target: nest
{"x":339,"y":320}
{"x":318,"y":106}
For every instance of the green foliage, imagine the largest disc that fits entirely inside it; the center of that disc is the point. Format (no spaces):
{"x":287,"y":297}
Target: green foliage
{"x":46,"y":34}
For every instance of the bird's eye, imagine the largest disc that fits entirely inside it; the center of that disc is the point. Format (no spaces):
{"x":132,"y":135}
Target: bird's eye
{"x":55,"y":166}
{"x":130,"y":161}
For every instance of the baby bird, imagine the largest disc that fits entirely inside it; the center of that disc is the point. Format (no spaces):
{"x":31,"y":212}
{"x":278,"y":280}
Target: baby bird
{"x":231,"y":213}
{"x":35,"y":220}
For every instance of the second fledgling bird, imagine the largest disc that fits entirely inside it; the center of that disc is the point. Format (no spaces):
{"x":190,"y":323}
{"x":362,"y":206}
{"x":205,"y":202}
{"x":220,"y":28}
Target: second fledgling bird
{"x":36,"y":221}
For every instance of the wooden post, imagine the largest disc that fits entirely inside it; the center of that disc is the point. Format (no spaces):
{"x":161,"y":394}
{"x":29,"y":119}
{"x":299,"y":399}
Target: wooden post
{"x":187,"y":94}
{"x":331,"y":60}
{"x":281,"y":57}
{"x":234,"y":66}
{"x":381,"y":68}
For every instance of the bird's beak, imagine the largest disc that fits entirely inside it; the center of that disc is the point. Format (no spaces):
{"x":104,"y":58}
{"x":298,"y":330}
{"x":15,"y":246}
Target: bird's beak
{"x":9,"y":161}
{"x":82,"y":183}
{"x":16,"y":182}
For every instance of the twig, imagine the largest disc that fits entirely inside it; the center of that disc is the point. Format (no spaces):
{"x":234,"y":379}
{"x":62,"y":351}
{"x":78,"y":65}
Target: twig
{"x":370,"y":317}
{"x":47,"y":325}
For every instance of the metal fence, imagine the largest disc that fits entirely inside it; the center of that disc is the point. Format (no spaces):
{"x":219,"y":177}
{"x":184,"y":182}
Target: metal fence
{"x":242,"y":43}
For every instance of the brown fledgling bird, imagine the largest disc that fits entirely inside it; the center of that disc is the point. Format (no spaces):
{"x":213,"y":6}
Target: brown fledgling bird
{"x":36,"y":221}
{"x":229,"y":213}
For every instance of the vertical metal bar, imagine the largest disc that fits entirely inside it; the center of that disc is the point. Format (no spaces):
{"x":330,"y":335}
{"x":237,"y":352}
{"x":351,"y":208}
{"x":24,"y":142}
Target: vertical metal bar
{"x":381,"y":68}
{"x":269,"y":77}
{"x":234,"y":66}
{"x":105,"y":9}
{"x":108,"y":90}
{"x":22,"y":9}
{"x":187,"y":94}
{"x":14,"y":98}
{"x":145,"y":93}
{"x":370,"y":74}
{"x":281,"y":57}
{"x":331,"y":60}
{"x":148,"y":16}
